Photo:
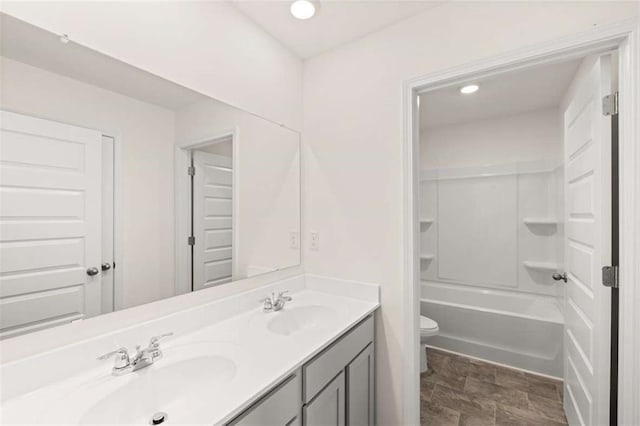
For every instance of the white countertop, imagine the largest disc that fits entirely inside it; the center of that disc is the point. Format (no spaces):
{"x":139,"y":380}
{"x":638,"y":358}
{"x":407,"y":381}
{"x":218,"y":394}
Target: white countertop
{"x":260,"y":359}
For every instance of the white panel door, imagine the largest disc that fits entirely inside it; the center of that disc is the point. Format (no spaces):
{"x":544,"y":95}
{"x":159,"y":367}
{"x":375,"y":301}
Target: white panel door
{"x":587,"y":249}
{"x":50,"y":223}
{"x":212,"y":220}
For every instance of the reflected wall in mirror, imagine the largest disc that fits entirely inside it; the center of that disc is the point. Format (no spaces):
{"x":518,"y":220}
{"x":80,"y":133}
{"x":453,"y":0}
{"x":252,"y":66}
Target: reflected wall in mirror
{"x":120,"y":188}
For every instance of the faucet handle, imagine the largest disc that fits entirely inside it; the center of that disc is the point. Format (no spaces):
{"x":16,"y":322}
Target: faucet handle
{"x":267,"y":304}
{"x":281,"y":295}
{"x":155,"y":339}
{"x":121,"y":355}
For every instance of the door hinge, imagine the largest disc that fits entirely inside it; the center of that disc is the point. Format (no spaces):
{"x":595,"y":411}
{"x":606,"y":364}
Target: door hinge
{"x":610,"y":276}
{"x":610,"y":104}
{"x":191,"y":240}
{"x":191,"y":170}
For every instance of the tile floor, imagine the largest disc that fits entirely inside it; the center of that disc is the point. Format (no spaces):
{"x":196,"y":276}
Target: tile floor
{"x":462,"y":391}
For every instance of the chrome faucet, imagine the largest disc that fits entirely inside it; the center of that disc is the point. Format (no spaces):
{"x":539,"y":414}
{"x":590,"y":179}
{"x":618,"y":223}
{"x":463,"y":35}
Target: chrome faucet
{"x":275,"y":303}
{"x":143,"y":358}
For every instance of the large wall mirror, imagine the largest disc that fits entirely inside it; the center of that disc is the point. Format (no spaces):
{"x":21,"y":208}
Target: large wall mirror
{"x":119,"y":188}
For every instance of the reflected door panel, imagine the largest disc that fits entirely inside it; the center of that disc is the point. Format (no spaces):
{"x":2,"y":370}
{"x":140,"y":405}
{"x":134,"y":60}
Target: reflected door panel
{"x":50,"y":213}
{"x":212,"y":220}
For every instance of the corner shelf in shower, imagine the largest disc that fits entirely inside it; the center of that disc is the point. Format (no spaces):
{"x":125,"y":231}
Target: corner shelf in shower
{"x":427,"y":220}
{"x":544,"y":266}
{"x":547,"y":221}
{"x":427,"y":257}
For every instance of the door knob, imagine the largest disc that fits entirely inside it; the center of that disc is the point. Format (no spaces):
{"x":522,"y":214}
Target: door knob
{"x":92,"y":271}
{"x":106,"y":266}
{"x":560,"y":277}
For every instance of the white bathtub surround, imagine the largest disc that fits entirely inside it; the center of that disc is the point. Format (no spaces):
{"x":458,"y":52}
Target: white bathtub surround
{"x":518,"y":330}
{"x":494,"y":226}
{"x":64,"y":385}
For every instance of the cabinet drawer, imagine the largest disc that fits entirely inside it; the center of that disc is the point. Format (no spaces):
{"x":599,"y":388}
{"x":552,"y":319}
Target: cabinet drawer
{"x":281,"y":406}
{"x":326,"y":365}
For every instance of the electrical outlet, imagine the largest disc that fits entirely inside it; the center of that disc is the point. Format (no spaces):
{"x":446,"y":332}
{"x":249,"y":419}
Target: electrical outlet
{"x":294,"y":240}
{"x":315,"y":240}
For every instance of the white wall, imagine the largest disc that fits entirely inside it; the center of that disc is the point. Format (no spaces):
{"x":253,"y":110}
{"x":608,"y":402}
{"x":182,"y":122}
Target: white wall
{"x":353,"y":137}
{"x":209,"y":47}
{"x":147,"y":134}
{"x":531,"y":136}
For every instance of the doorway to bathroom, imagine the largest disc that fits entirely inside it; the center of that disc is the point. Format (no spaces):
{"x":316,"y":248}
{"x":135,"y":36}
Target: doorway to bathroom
{"x":517,"y":203}
{"x":515,"y":225}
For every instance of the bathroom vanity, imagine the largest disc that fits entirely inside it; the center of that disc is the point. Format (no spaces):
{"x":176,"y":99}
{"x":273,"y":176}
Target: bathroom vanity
{"x":335,"y":387}
{"x":227,"y":363}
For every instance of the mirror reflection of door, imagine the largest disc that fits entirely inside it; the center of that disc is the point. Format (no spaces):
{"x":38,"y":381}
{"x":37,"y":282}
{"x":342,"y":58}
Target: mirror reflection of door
{"x":95,"y":198}
{"x":212,"y":214}
{"x":56,"y":204}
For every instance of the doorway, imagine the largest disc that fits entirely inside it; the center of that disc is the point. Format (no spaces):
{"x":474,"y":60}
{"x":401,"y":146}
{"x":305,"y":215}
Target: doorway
{"x":516,"y":202}
{"x":595,"y":42}
{"x":212,"y":214}
{"x":206,"y":213}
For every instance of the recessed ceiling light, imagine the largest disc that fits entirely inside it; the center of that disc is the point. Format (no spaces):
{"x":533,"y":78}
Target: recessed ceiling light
{"x":471,"y":88}
{"x":303,"y":9}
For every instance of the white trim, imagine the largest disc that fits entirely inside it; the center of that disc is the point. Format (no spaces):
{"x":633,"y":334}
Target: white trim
{"x":108,"y":213}
{"x":411,"y":282}
{"x":118,"y":220}
{"x":629,"y":329}
{"x":625,"y":36}
{"x":182,"y":196}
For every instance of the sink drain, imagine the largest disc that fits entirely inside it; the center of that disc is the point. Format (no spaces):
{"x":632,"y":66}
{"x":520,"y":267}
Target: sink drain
{"x":158,"y":418}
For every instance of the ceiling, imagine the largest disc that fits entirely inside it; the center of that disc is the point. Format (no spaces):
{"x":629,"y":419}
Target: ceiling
{"x":337,"y":21}
{"x":504,"y":94}
{"x":36,"y":47}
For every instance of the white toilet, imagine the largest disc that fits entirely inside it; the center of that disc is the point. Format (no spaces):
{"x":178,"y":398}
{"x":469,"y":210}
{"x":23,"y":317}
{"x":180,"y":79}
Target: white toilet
{"x":428,"y":328}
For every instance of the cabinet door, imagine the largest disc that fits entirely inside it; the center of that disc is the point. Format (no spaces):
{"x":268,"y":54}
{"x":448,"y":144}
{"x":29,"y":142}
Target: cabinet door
{"x":328,"y":407}
{"x":360,"y":389}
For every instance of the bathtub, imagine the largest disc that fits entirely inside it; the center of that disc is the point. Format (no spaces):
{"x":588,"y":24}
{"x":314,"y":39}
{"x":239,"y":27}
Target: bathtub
{"x":517,"y":330}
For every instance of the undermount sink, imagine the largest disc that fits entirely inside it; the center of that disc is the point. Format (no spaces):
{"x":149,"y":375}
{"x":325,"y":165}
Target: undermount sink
{"x":172,"y":385}
{"x":294,"y":320}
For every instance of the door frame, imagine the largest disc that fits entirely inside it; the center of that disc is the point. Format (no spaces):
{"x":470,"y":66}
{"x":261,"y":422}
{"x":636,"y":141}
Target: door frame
{"x":118,"y":220}
{"x":182,"y":205}
{"x":624,"y":36}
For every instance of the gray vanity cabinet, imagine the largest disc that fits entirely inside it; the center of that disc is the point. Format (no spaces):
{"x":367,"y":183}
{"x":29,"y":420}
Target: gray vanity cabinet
{"x":335,"y":388}
{"x":328,"y":407}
